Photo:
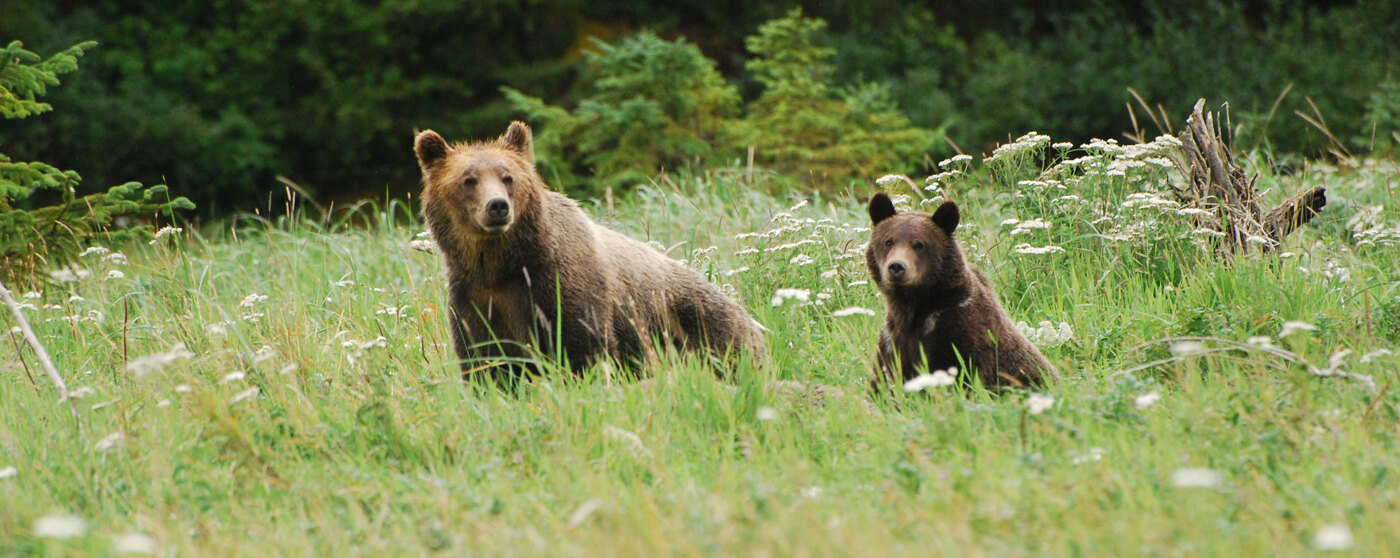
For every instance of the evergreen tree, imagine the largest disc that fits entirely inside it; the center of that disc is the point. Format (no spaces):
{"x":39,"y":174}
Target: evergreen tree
{"x":43,"y":222}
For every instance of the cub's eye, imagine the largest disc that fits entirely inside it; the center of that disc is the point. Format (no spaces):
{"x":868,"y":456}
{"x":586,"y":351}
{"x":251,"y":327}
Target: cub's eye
{"x":507,"y":181}
{"x":889,"y":242}
{"x":470,"y":182}
{"x":918,"y":247}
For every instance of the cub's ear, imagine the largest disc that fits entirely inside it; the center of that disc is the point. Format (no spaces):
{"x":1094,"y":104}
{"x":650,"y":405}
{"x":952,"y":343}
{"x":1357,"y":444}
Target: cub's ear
{"x":881,"y":208}
{"x":519,"y":138}
{"x":430,"y":148}
{"x":946,"y":217}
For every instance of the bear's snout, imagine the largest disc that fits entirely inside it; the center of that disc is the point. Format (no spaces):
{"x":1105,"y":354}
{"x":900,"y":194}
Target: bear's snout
{"x":896,"y":270}
{"x":497,"y":215}
{"x":498,"y":209}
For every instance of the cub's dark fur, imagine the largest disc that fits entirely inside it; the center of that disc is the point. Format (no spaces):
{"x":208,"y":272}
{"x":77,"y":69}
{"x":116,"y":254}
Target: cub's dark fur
{"x":939,"y":307}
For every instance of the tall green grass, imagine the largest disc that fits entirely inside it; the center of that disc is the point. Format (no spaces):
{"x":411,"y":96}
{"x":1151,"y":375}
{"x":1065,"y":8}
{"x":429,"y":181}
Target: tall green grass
{"x":360,"y":439}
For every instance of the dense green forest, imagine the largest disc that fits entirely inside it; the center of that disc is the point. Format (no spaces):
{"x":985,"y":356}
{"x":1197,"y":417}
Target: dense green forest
{"x":218,"y":99}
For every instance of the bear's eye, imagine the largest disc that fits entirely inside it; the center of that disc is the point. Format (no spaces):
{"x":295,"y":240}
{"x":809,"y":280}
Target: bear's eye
{"x":507,"y":180}
{"x":470,"y":182}
{"x":889,"y":242}
{"x":918,"y":247}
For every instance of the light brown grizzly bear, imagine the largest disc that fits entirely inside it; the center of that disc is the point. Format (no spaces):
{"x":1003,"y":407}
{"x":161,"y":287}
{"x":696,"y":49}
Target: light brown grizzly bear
{"x":527,"y":270}
{"x":941,"y":311}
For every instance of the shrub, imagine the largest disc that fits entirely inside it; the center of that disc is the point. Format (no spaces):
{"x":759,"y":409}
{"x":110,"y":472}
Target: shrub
{"x":652,"y":104}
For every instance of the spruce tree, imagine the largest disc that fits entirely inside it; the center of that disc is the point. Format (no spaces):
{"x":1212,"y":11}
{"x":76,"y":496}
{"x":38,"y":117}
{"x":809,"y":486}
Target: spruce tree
{"x":43,"y":221}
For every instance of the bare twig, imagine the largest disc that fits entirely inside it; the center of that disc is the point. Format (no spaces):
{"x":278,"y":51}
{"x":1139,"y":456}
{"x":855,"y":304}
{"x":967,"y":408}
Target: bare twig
{"x":1220,"y":186}
{"x":38,"y":348}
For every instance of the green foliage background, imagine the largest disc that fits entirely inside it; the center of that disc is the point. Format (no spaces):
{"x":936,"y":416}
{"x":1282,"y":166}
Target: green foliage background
{"x":43,"y":222}
{"x":217,"y":98}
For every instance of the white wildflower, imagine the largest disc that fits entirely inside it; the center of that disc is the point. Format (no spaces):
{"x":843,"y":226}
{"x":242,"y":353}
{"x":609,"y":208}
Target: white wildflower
{"x":1197,"y":477}
{"x":890,"y":178}
{"x":1047,"y":334}
{"x":163,"y":403}
{"x":1261,"y":342}
{"x":1291,"y":327}
{"x":81,"y":392}
{"x":857,"y":283}
{"x":114,"y":274}
{"x":1025,"y":248}
{"x":766,"y":413}
{"x":344,"y":283}
{"x":142,"y":366}
{"x":1062,"y":145}
{"x":631,"y":441}
{"x":800,"y":260}
{"x":801,"y":295}
{"x":1334,"y":364}
{"x":264,"y":354}
{"x":1010,"y":221}
{"x":135,"y":543}
{"x":8,"y":471}
{"x":183,"y":388}
{"x":109,"y":442}
{"x":1147,"y":399}
{"x":422,"y":245}
{"x":233,"y":377}
{"x":1183,"y":349}
{"x":1333,"y":536}
{"x":164,"y":232}
{"x":959,"y":158}
{"x":1094,"y":454}
{"x":250,"y":392}
{"x":98,"y":250}
{"x":252,"y":300}
{"x":936,"y":379}
{"x":583,"y":512}
{"x":116,"y":258}
{"x":733,"y":272}
{"x":375,"y":343}
{"x":853,"y":311}
{"x":69,"y":274}
{"x":1027,"y":226}
{"x":1038,"y":403}
{"x":60,"y":526}
{"x":1368,"y":357}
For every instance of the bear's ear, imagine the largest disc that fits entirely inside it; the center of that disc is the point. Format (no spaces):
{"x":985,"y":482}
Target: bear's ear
{"x":430,"y":148}
{"x":881,"y":208}
{"x":946,"y":217}
{"x":518,"y":137}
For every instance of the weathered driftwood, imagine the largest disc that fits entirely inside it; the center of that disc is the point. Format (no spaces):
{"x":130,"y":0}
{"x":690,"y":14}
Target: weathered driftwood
{"x":1219,"y":186}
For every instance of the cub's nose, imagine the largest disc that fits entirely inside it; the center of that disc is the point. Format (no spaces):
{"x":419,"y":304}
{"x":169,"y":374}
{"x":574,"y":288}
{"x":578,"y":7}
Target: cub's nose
{"x":498,"y":208}
{"x":896,"y":270}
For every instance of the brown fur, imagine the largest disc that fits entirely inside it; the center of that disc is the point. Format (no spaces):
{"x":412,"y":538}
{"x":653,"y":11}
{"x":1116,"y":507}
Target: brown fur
{"x":941,"y":308}
{"x":537,"y":260}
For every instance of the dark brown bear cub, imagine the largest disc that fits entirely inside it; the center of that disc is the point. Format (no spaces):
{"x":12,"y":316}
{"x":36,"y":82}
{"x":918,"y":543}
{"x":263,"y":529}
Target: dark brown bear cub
{"x":939,"y":307}
{"x":527,"y":270}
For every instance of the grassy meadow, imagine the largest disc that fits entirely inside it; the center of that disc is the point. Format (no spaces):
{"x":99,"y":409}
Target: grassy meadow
{"x":285,"y":387}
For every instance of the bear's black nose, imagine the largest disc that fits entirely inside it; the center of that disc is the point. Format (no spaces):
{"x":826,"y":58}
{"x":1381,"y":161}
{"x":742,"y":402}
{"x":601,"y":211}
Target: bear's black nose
{"x":498,"y":208}
{"x":896,"y":269}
